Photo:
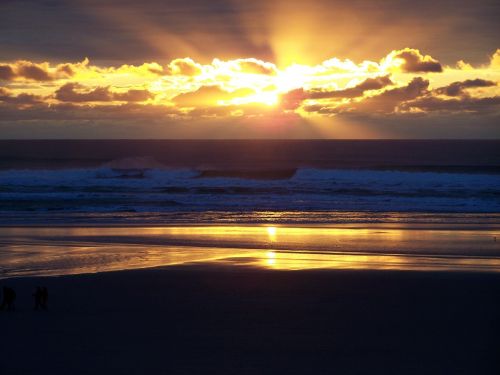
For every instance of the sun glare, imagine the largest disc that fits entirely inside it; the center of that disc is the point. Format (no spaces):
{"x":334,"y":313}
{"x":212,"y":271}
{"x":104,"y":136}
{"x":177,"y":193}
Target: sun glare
{"x":271,"y":233}
{"x":269,"y":98}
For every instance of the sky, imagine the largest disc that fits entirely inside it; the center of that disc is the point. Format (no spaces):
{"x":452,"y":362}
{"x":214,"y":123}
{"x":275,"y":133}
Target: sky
{"x":228,"y":69}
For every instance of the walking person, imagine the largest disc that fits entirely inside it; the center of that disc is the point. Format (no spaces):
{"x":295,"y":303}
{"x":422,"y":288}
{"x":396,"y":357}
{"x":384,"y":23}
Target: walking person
{"x":38,"y":298}
{"x":44,"y":297}
{"x":9,"y":298}
{"x":4,"y":297}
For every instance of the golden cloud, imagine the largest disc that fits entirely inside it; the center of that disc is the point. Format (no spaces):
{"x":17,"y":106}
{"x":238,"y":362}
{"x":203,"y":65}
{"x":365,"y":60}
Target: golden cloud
{"x":249,"y":86}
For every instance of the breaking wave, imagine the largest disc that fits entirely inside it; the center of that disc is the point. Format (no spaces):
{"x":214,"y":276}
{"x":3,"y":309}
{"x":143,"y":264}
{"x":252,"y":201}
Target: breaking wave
{"x":144,"y":185}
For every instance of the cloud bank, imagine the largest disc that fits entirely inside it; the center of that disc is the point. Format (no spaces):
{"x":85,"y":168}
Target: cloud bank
{"x":405,"y":84}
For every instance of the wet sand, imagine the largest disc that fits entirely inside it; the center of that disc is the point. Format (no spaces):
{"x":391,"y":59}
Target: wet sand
{"x":221,"y":319}
{"x":44,"y":251}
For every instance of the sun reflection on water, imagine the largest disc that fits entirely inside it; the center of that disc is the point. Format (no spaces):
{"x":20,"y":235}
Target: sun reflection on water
{"x":271,"y":232}
{"x":65,"y":250}
{"x":271,"y":258}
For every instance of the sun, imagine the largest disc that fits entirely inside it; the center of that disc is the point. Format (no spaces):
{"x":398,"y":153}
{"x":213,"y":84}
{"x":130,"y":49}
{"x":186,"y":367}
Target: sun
{"x":268,"y":98}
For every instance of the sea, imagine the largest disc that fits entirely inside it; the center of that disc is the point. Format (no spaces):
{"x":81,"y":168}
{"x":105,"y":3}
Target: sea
{"x":249,"y":181}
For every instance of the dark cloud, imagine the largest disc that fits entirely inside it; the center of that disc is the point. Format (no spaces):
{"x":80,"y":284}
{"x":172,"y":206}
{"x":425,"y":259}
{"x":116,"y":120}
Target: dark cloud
{"x":415,"y":62}
{"x":244,"y":110}
{"x":386,"y":102}
{"x":67,"y":69}
{"x":27,"y":70}
{"x":459,"y":102}
{"x":457,"y":88}
{"x":76,"y":93}
{"x":12,"y":111}
{"x":462,"y":104}
{"x":292,"y":99}
{"x":85,"y":113}
{"x":415,"y":88}
{"x":22,"y":99}
{"x":33,"y":72}
{"x":209,"y":96}
{"x":68,"y":93}
{"x":353,"y":92}
{"x":133,"y":95}
{"x":6,"y":72}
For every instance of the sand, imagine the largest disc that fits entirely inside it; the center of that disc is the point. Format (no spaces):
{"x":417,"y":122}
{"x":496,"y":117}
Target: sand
{"x":216,"y":319}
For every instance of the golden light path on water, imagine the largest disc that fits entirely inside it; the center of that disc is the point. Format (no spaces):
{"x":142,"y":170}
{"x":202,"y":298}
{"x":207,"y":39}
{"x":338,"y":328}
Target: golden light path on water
{"x":69,"y":250}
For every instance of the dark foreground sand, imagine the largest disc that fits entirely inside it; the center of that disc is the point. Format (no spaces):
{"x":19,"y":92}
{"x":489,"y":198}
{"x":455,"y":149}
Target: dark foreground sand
{"x":226,"y":320}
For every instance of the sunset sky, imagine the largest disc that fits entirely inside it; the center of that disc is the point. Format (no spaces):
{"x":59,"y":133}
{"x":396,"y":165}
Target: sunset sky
{"x":249,"y":69}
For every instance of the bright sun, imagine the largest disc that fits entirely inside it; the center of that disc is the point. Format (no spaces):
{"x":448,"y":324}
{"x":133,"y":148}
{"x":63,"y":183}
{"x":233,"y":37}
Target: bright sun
{"x":270,"y":98}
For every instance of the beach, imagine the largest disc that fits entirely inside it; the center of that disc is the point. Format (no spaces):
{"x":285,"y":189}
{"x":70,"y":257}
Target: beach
{"x":253,"y":299}
{"x":218,"y":319}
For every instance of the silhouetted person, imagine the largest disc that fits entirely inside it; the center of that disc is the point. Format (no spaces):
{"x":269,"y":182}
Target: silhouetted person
{"x":4,"y":298}
{"x":38,"y":298}
{"x":44,"y":297}
{"x":9,"y":297}
{"x":12,"y":299}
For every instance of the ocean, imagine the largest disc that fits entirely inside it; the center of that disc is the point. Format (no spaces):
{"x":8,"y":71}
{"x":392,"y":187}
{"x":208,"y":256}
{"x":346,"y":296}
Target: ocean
{"x":249,"y":181}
